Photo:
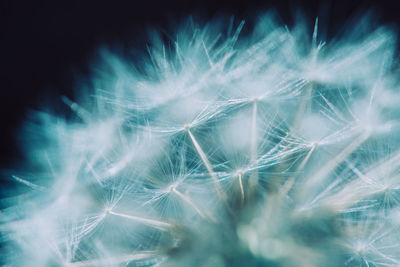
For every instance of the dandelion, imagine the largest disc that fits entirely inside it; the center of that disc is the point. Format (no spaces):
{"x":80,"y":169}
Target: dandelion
{"x":219,"y":149}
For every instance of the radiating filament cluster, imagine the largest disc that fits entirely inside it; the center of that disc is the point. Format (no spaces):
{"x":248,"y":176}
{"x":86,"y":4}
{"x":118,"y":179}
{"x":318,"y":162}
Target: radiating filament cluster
{"x":219,"y":148}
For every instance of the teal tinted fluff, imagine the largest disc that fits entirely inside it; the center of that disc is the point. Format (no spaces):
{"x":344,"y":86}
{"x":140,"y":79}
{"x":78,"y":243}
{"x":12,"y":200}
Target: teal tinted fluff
{"x":217,"y":149}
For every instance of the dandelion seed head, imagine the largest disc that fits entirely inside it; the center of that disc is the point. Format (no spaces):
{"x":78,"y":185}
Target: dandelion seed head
{"x":270,"y":148}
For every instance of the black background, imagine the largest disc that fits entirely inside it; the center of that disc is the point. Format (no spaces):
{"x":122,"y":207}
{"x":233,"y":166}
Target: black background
{"x":47,"y":46}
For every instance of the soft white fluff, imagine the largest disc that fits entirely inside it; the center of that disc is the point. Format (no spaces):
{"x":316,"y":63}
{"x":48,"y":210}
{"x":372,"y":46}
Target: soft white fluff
{"x":271,"y":149}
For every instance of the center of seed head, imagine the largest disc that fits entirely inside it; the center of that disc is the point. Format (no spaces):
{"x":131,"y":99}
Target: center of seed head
{"x":314,"y":144}
{"x":171,"y":188}
{"x":186,"y":127}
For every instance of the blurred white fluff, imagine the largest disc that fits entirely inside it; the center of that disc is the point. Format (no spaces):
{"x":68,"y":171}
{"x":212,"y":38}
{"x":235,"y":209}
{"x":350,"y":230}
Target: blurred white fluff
{"x":270,"y":149}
